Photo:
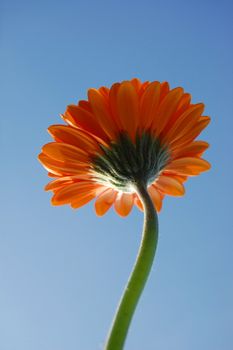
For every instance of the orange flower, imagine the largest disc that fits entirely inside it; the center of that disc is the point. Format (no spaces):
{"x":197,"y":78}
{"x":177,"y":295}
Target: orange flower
{"x":131,"y":132}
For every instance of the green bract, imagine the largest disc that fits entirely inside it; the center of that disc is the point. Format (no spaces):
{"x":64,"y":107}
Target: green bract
{"x":124,"y":163}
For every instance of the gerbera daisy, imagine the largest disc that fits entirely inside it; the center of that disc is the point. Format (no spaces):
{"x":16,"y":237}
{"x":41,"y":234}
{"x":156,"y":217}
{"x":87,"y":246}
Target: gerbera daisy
{"x":131,"y":144}
{"x":130,"y":133}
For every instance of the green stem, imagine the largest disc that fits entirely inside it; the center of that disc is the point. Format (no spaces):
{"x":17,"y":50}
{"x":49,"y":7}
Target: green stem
{"x":138,"y":276}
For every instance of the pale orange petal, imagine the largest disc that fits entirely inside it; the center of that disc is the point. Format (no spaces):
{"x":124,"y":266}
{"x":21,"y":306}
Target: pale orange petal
{"x":124,"y":203}
{"x":180,"y":178}
{"x":128,"y":108}
{"x":169,"y":185}
{"x":86,"y":197}
{"x":55,"y":184}
{"x":72,"y":192}
{"x":61,"y":168}
{"x":104,"y":201}
{"x":64,"y":152}
{"x":156,"y":197}
{"x":67,"y":180}
{"x":53,"y":175}
{"x":188,"y":166}
{"x":82,"y":200}
{"x":138,"y":203}
{"x":75,"y":137}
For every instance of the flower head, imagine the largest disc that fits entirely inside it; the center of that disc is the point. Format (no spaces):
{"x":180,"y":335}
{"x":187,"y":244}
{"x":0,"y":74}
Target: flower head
{"x":133,"y":132}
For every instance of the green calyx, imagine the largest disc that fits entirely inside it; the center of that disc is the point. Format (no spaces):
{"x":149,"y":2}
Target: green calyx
{"x":124,"y":163}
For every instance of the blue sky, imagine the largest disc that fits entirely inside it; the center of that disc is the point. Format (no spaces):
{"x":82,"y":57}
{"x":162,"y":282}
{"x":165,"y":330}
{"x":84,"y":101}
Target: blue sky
{"x":63,"y":271}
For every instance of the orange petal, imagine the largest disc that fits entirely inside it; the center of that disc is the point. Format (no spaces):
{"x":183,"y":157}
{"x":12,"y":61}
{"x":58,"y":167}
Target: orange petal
{"x":194,"y":149}
{"x":165,"y":110}
{"x":124,"y":203}
{"x":104,"y":201}
{"x":156,"y":197}
{"x":85,"y":120}
{"x":181,"y":108}
{"x":138,"y":203}
{"x":188,"y":166}
{"x":72,"y":192}
{"x":136,"y":83}
{"x":82,"y":200}
{"x":85,"y":105}
{"x":185,"y":122}
{"x":149,"y":104}
{"x":113,"y":105}
{"x":101,"y":112}
{"x":67,"y":180}
{"x":55,"y":184}
{"x":180,"y":178}
{"x":143,"y":88}
{"x":86,"y":198}
{"x":191,"y":134}
{"x":64,"y":152}
{"x":183,"y":104}
{"x":164,"y":89}
{"x":61,"y":168}
{"x":128,"y":108}
{"x":53,"y":175}
{"x":104,"y":92}
{"x":169,"y":185}
{"x":75,"y":137}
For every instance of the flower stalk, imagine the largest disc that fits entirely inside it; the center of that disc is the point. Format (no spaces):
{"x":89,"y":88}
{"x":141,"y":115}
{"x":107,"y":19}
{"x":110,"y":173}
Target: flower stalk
{"x":139,"y":275}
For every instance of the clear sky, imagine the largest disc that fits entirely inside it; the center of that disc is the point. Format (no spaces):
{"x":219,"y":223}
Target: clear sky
{"x":62,"y":271}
